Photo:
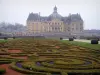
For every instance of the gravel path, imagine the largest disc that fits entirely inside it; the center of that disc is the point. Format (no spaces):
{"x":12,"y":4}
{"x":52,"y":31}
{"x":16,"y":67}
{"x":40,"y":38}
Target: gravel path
{"x":10,"y":71}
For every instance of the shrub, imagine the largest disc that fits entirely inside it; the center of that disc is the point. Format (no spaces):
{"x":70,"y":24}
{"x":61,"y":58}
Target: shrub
{"x":25,"y":71}
{"x":61,"y":38}
{"x":49,"y":74}
{"x":94,"y":41}
{"x":2,"y":71}
{"x":5,"y":38}
{"x":5,"y":62}
{"x":13,"y":37}
{"x":64,"y":73}
{"x":71,"y":39}
{"x":55,"y":73}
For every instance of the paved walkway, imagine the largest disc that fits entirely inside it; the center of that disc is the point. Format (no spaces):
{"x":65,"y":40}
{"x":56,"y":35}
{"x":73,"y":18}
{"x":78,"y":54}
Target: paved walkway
{"x":82,"y":40}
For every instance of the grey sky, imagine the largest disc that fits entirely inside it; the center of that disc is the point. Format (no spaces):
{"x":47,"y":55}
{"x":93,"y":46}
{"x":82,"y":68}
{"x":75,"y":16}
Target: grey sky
{"x":18,"y":10}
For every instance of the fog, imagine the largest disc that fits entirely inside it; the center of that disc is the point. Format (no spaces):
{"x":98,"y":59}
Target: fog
{"x":13,"y":11}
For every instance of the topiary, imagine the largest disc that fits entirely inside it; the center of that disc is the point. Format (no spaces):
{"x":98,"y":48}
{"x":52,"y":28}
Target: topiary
{"x":61,"y":38}
{"x":71,"y":39}
{"x":5,"y":38}
{"x":13,"y":37}
{"x":94,"y":41}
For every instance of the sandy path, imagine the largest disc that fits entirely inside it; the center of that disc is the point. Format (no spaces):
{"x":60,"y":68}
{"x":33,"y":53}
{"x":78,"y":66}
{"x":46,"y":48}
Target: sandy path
{"x":10,"y":71}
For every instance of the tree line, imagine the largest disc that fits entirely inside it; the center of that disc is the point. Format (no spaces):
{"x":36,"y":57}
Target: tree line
{"x":9,"y":28}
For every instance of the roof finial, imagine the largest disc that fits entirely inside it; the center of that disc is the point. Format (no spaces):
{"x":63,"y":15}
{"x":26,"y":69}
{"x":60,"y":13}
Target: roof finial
{"x":55,"y":9}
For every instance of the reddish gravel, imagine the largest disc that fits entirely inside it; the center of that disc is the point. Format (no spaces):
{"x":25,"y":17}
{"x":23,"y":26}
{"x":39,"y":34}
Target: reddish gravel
{"x":6,"y":66}
{"x":14,"y":51}
{"x":57,"y":47}
{"x":10,"y":71}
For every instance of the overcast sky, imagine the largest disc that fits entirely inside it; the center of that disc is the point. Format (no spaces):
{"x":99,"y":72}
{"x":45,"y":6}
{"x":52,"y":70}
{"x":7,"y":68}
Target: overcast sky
{"x":18,"y":10}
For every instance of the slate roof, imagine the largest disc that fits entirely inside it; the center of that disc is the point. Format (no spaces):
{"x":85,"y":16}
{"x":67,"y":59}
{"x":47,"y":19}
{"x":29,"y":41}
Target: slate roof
{"x":67,"y":19}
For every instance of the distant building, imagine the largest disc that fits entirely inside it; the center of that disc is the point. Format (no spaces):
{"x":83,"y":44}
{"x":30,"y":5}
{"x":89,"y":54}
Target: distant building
{"x":90,"y":33}
{"x":71,"y":24}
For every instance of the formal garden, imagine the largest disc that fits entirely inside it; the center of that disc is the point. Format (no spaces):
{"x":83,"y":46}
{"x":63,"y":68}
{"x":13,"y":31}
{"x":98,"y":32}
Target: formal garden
{"x":33,"y":56}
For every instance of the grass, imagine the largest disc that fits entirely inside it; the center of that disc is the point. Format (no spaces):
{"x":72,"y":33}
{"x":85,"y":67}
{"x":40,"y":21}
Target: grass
{"x":83,"y":44}
{"x":74,"y":61}
{"x":1,"y":40}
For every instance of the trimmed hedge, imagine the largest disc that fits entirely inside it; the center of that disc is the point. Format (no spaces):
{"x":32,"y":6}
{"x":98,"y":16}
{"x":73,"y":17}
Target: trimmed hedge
{"x":61,"y":38}
{"x":39,"y":68}
{"x":83,"y":73}
{"x":5,"y":61}
{"x":5,"y":38}
{"x":13,"y":37}
{"x":36,"y":49}
{"x":25,"y":71}
{"x":71,"y":39}
{"x":94,"y":41}
{"x":49,"y":74}
{"x":64,"y":73}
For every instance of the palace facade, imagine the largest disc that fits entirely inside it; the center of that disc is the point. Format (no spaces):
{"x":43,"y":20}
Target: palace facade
{"x":54,"y":23}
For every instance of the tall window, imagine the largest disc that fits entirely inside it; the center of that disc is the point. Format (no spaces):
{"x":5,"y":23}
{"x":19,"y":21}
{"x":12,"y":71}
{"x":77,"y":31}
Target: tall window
{"x":76,"y":28}
{"x":55,"y":23}
{"x":52,"y":28}
{"x":49,"y":23}
{"x":52,"y":23}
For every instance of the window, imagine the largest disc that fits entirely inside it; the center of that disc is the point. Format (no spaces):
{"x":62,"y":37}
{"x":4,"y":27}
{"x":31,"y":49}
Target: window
{"x":49,"y":23}
{"x":52,"y":23}
{"x":72,"y":28}
{"x":76,"y":28}
{"x":81,"y":24}
{"x":58,"y":28}
{"x":55,"y":23}
{"x":52,"y":28}
{"x":68,"y":30}
{"x":80,"y":28}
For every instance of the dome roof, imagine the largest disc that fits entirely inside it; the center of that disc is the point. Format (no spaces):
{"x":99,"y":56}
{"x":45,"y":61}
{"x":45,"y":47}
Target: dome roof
{"x":55,"y":8}
{"x":55,"y":14}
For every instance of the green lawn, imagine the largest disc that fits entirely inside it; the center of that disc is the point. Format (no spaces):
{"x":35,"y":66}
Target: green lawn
{"x":2,"y":40}
{"x":83,"y":44}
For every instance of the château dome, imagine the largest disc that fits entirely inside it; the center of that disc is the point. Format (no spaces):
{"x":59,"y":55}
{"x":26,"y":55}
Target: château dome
{"x":55,"y":14}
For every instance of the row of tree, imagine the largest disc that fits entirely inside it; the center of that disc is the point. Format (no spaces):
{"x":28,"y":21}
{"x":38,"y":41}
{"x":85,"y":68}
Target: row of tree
{"x":8,"y":27}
